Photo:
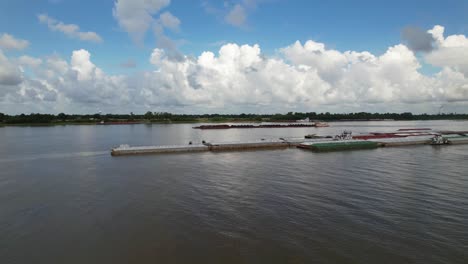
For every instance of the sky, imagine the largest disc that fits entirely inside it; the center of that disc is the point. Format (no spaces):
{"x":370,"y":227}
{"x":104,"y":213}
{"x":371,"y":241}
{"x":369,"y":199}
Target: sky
{"x":238,"y":56}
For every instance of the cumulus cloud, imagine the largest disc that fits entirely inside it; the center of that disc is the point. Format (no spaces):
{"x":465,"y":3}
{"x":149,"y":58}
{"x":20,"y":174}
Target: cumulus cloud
{"x":71,"y":30}
{"x":241,"y":75}
{"x":136,"y":16}
{"x":168,"y":20}
{"x":237,"y":16}
{"x":84,"y":82}
{"x":449,"y":52}
{"x":156,"y":56}
{"x":305,"y":76}
{"x":10,"y":73}
{"x":417,"y":39}
{"x":78,"y":82}
{"x":34,"y":91}
{"x":8,"y":42}
{"x":29,"y":61}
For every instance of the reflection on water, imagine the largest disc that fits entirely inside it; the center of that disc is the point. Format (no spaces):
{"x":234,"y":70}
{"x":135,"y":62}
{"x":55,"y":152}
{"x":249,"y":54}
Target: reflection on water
{"x":64,"y":199}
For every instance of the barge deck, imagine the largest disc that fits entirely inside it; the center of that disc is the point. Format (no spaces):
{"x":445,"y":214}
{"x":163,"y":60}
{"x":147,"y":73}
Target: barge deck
{"x":318,"y":144}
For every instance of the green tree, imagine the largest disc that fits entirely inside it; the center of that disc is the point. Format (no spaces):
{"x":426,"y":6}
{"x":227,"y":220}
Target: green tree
{"x":149,"y":115}
{"x":62,"y":117}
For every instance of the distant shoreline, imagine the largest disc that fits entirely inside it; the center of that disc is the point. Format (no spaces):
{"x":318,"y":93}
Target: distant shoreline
{"x":37,"y":119}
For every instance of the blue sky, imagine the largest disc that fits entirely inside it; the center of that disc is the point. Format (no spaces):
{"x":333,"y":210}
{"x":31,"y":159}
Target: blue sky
{"x":204,"y":25}
{"x":343,"y":25}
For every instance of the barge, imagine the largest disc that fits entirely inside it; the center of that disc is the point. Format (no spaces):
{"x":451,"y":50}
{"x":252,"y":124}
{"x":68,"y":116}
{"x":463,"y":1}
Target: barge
{"x":456,"y":139}
{"x":224,"y":126}
{"x":256,"y":144}
{"x":212,"y":146}
{"x":403,"y":141}
{"x":128,"y":150}
{"x":345,"y":141}
{"x":352,"y":144}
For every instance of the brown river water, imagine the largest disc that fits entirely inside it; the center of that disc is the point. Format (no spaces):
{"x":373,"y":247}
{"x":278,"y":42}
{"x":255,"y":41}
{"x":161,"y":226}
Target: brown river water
{"x":64,"y":199}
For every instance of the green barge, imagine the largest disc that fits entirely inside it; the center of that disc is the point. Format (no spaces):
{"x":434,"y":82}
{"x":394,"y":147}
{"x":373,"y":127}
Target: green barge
{"x":339,"y":145}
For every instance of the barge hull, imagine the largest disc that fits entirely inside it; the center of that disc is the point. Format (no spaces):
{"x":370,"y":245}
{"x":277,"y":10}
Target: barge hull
{"x":340,"y":145}
{"x":157,"y":150}
{"x":247,"y":146}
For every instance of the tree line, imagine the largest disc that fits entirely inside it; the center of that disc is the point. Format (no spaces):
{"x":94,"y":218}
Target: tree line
{"x":37,"y":118}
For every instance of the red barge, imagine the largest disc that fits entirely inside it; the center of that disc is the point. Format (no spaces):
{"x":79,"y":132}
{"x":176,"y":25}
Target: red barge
{"x":254,"y":126}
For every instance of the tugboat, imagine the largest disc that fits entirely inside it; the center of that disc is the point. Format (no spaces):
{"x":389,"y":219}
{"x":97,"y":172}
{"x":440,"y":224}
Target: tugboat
{"x":449,"y":139}
{"x":346,"y":135}
{"x":439,"y":140}
{"x":321,"y":124}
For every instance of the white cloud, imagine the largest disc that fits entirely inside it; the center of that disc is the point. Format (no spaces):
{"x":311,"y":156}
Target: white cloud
{"x":453,"y":85}
{"x":237,"y":16}
{"x":8,"y":42}
{"x":10,"y":74}
{"x":156,"y":56}
{"x":240,"y":78}
{"x":56,"y":66}
{"x":84,"y":83}
{"x":81,"y":63}
{"x":136,"y":16}
{"x":304,"y":77}
{"x":58,"y":84}
{"x":169,"y":21}
{"x":29,"y":61}
{"x":71,"y":30}
{"x":241,"y":75}
{"x":450,"y":52}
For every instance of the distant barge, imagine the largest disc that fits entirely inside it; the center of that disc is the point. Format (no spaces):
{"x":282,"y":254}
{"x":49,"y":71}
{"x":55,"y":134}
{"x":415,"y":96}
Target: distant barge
{"x":256,"y":126}
{"x":120,"y":123}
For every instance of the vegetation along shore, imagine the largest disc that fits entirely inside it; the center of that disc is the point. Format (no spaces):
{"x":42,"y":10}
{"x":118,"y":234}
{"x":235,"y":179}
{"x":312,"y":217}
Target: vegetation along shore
{"x":164,"y":117}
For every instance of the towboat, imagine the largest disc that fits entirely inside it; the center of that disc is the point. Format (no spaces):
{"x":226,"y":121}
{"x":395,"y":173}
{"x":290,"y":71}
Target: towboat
{"x":321,"y":124}
{"x":449,"y":139}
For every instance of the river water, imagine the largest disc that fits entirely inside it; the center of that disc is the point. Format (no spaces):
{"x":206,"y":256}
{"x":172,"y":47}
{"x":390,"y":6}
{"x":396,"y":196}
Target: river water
{"x":64,"y":199}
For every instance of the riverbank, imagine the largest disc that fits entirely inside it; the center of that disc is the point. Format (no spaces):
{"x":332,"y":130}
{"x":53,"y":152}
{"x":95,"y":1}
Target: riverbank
{"x":36,"y":119}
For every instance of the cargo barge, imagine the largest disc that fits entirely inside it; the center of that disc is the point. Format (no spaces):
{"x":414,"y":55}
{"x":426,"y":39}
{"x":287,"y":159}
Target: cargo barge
{"x":212,"y":146}
{"x":352,"y":144}
{"x":414,"y":129}
{"x":120,"y":123}
{"x":224,"y":126}
{"x":345,"y":141}
{"x":453,"y":139}
{"x":403,"y":141}
{"x":128,"y":150}
{"x":256,"y":144}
